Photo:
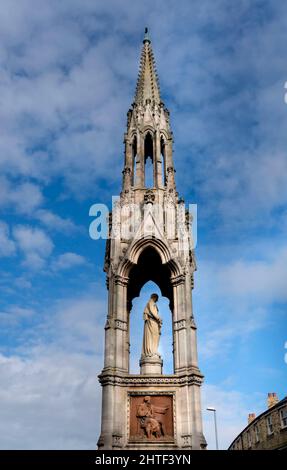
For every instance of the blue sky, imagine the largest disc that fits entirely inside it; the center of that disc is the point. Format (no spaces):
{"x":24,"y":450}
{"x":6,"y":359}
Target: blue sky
{"x":67,"y":76}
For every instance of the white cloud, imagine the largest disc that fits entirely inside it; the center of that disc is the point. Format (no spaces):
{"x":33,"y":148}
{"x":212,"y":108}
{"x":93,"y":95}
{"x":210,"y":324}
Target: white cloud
{"x":33,"y":239}
{"x":78,"y":323}
{"x":50,"y":102}
{"x":256,"y":273}
{"x":34,"y":261}
{"x":55,"y":222}
{"x":265,"y":279}
{"x":49,"y":400}
{"x":14,"y":314}
{"x":7,"y":246}
{"x":20,"y":197}
{"x":67,"y":261}
{"x":238,"y":325}
{"x":22,"y":282}
{"x":34,"y":243}
{"x":49,"y":390}
{"x":235,"y":296}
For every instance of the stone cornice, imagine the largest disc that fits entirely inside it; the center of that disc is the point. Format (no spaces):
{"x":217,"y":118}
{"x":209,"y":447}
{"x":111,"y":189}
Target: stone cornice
{"x":134,"y":380}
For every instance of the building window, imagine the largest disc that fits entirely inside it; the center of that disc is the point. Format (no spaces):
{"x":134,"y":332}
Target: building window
{"x":256,"y":432}
{"x":249,"y":441}
{"x":269,"y":425}
{"x":283,"y":417}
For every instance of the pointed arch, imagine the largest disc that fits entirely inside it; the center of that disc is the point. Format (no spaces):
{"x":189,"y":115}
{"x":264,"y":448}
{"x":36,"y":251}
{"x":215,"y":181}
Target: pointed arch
{"x":149,"y":159}
{"x":148,"y":128}
{"x":165,"y":135}
{"x":137,"y":248}
{"x":149,"y":267}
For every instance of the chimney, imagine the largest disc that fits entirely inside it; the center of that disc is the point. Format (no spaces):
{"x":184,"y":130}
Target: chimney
{"x":251,"y":417}
{"x":272,"y":399}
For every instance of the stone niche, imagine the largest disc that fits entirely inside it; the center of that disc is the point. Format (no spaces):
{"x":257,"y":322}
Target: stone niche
{"x":151,"y":417}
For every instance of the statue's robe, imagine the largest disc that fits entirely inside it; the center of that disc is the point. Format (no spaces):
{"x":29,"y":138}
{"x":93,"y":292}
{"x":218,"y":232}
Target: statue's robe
{"x":151,"y":329}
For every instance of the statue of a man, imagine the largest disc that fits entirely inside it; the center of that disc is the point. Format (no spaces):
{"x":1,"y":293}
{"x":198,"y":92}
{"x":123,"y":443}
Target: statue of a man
{"x":152,"y":328}
{"x":151,"y":418}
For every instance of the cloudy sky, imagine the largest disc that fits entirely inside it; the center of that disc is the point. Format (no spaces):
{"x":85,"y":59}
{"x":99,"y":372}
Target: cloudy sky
{"x":67,"y":76}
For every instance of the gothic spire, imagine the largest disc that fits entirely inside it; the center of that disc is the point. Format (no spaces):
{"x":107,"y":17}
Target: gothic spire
{"x":147,"y":84}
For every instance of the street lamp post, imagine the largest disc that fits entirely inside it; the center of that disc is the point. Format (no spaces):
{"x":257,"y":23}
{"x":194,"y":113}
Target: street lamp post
{"x":210,"y":408}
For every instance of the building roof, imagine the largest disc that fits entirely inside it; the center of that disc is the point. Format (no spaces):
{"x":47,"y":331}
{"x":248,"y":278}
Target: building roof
{"x":258,"y":418}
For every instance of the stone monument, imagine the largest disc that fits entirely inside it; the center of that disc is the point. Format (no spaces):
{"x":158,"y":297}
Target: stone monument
{"x":150,"y":240}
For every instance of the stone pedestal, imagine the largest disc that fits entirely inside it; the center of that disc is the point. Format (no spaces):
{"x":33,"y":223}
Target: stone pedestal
{"x":151,"y":365}
{"x":151,"y":412}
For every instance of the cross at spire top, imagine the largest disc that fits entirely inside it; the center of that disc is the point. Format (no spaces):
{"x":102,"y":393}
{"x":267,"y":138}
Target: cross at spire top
{"x":147,"y":84}
{"x":146,"y":36}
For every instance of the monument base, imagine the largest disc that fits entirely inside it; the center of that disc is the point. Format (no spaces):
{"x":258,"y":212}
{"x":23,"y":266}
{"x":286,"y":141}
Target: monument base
{"x":151,"y":365}
{"x":151,"y":412}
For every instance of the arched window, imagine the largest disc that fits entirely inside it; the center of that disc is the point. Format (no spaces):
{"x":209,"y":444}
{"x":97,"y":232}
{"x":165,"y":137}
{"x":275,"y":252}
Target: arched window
{"x":162,"y":154}
{"x":148,"y":159}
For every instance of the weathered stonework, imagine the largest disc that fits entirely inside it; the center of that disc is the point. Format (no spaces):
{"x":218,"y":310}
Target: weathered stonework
{"x":150,"y":239}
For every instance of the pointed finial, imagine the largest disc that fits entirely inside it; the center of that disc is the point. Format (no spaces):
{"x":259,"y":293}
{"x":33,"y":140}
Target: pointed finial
{"x":146,"y":36}
{"x":147,"y":84}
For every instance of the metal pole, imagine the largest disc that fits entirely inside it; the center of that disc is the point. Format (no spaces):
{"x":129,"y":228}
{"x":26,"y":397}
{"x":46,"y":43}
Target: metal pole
{"x":215,"y":427}
{"x":210,"y":408}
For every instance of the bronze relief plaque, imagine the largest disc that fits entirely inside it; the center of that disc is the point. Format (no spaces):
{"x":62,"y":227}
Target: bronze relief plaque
{"x":151,"y":418}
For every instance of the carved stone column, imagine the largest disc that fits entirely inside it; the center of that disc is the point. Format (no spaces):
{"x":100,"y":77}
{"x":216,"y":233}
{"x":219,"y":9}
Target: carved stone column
{"x":179,"y":324}
{"x":121,"y":324}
